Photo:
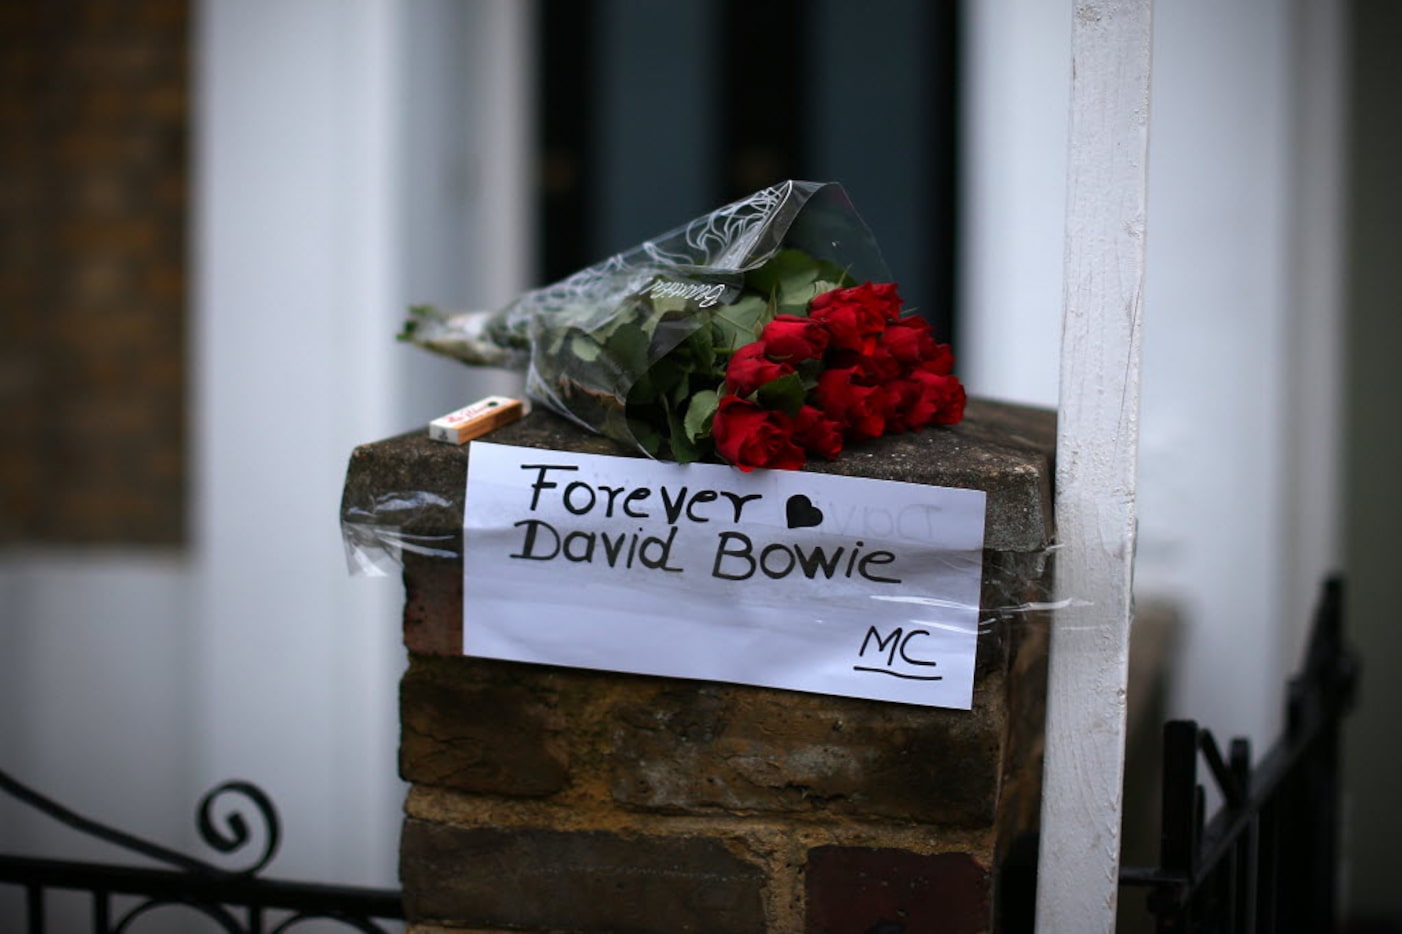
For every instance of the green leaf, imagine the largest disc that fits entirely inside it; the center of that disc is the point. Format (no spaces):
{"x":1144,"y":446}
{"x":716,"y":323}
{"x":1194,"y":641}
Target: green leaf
{"x":703,"y":349}
{"x":672,"y":304}
{"x":583,"y":347}
{"x":785,"y":394}
{"x":683,"y":451}
{"x":791,"y":279}
{"x":739,"y":324}
{"x":628,"y":348}
{"x":831,"y":272}
{"x":644,"y":391}
{"x":646,"y":436}
{"x":796,"y":288}
{"x":699,"y":411}
{"x":785,"y":264}
{"x":795,"y":301}
{"x":682,"y":392}
{"x":667,"y":375}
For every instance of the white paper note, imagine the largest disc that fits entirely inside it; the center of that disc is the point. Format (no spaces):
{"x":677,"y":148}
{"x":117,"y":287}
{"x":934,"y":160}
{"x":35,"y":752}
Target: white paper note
{"x":835,"y":585}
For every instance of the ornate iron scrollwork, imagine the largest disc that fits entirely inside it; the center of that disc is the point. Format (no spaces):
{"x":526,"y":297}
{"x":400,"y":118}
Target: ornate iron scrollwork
{"x":218,"y":894}
{"x":238,"y":833}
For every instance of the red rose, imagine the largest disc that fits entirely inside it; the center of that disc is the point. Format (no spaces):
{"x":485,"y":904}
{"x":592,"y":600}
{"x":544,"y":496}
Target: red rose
{"x":859,"y":408}
{"x":940,"y":399}
{"x":879,"y":365}
{"x":882,"y":298}
{"x":855,"y":316}
{"x":876,"y":364}
{"x":939,"y":361}
{"x":887,"y":297}
{"x":910,"y":340}
{"x":794,"y":339}
{"x":913,"y":407}
{"x":952,"y":399}
{"x":749,"y":436}
{"x":750,"y":369}
{"x":817,"y":433}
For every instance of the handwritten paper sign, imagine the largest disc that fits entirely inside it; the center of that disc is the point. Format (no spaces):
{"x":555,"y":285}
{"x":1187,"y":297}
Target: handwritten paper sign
{"x":835,"y":585}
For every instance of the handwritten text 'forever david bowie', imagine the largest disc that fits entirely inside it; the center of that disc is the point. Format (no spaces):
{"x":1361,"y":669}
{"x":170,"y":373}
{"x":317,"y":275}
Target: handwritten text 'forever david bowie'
{"x":737,"y":556}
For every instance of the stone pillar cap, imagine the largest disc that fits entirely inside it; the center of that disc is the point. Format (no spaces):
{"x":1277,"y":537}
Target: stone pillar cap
{"x":407,"y":492}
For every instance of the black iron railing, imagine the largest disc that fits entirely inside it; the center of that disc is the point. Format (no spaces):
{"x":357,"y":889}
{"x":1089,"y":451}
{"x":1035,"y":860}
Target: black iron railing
{"x":236,"y":901}
{"x":1268,"y":860}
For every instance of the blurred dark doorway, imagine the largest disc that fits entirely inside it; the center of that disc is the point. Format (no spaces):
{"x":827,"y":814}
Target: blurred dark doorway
{"x":652,"y":114}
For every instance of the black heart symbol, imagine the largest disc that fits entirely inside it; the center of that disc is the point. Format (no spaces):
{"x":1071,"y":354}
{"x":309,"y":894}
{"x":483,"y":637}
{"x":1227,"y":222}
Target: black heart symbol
{"x":801,"y":512}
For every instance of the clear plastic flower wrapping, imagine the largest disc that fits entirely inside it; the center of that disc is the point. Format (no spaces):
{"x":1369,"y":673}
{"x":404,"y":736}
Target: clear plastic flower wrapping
{"x":586,"y":340}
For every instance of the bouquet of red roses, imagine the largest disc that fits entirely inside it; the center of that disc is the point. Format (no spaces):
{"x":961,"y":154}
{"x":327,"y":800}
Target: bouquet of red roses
{"x":852,"y":369}
{"x":743,"y":335}
{"x":801,"y":363}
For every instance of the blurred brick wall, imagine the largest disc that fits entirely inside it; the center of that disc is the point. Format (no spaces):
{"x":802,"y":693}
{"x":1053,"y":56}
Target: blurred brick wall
{"x":94,"y":124}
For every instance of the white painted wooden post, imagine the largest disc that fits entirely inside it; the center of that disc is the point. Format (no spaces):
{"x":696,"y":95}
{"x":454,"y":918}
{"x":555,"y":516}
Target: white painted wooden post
{"x":1097,"y":446}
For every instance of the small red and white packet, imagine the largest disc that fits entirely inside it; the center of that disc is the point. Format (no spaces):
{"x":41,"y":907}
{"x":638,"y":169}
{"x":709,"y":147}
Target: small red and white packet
{"x":477,"y":419}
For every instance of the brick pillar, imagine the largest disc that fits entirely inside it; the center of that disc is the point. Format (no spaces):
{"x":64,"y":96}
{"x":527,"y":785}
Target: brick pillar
{"x":551,"y":799}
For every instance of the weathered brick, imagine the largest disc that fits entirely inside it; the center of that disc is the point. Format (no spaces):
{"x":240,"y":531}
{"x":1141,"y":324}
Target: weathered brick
{"x":889,"y":891}
{"x":695,"y":747}
{"x":592,"y":881}
{"x":488,"y":735}
{"x":432,"y":598}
